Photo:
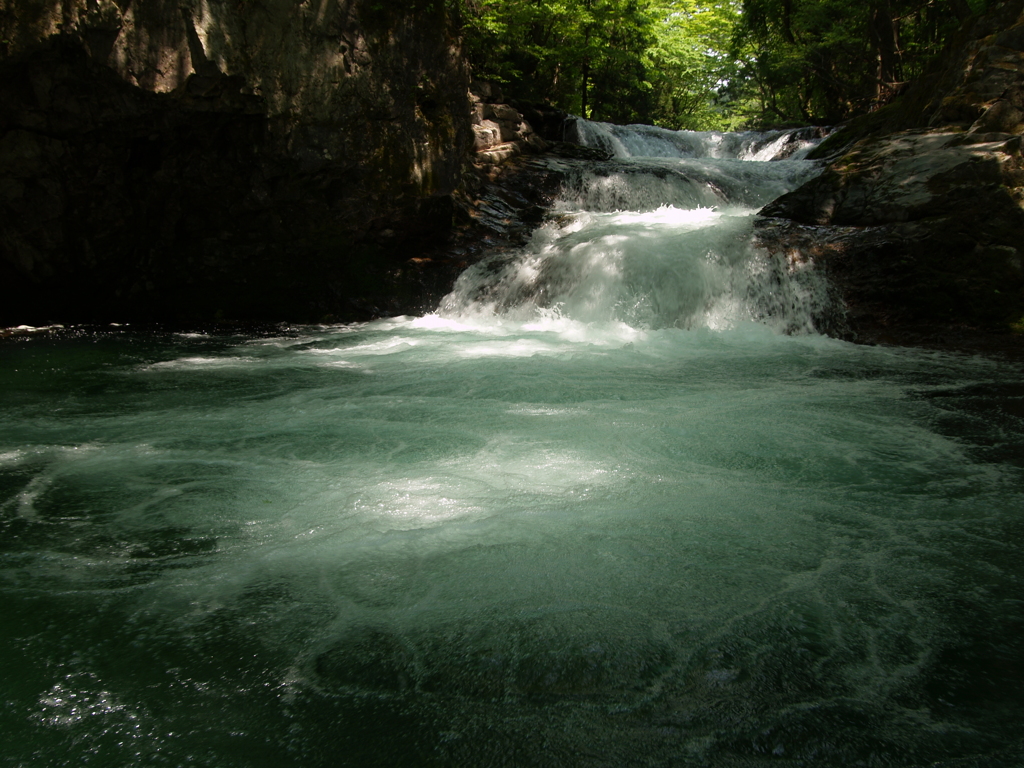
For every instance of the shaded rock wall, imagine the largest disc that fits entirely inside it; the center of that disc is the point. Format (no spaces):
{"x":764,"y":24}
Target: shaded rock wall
{"x":918,"y":217}
{"x":257,"y":159}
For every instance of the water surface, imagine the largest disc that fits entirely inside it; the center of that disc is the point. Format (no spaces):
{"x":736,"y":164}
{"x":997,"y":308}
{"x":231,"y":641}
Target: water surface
{"x":615,"y":503}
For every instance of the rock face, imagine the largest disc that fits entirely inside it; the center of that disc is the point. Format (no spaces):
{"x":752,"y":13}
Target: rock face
{"x":918,"y":217}
{"x":500,"y":131}
{"x":218,"y":158}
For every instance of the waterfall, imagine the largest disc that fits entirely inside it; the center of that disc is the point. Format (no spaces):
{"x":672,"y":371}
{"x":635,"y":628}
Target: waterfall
{"x":624,"y":141}
{"x":658,"y":237}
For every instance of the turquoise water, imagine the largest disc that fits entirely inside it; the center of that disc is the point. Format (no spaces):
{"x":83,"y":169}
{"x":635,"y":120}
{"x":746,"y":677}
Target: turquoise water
{"x":598,"y":510}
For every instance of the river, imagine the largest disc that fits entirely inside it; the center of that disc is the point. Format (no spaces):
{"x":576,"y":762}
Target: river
{"x":616,"y":502}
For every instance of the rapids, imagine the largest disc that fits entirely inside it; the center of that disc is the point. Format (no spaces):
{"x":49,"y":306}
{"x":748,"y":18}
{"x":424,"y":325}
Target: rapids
{"x":617,"y":502}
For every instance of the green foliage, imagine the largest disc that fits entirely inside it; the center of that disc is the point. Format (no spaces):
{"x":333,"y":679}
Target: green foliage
{"x":584,"y":56}
{"x":824,"y":61}
{"x":692,"y":63}
{"x":708,"y":64}
{"x":662,"y":61}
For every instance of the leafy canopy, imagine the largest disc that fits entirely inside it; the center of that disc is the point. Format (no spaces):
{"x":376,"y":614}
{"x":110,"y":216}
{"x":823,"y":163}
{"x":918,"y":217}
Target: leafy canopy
{"x":708,"y":64}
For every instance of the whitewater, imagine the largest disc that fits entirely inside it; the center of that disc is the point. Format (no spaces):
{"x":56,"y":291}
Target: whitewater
{"x":620,"y":500}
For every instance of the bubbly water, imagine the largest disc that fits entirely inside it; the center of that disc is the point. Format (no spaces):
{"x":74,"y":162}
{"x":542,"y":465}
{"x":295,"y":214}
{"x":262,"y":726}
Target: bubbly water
{"x":598,"y":510}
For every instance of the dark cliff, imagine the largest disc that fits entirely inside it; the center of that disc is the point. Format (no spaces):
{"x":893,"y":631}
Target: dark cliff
{"x":262,"y":159}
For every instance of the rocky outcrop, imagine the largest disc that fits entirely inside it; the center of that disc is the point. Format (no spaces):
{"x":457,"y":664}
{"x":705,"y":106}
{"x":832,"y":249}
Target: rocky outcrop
{"x":500,"y":131}
{"x":215,"y":158}
{"x":918,"y":216}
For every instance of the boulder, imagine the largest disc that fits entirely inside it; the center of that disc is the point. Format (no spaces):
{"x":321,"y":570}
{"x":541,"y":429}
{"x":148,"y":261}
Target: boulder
{"x":500,"y":131}
{"x":910,"y":176}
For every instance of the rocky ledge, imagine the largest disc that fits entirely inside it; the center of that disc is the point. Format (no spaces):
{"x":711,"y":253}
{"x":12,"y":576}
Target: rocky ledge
{"x":917,"y":217}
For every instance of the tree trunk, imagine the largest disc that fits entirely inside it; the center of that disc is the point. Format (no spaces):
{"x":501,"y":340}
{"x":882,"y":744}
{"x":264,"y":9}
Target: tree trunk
{"x":787,"y":21}
{"x":584,"y":85}
{"x":884,"y":35}
{"x":585,"y":67}
{"x":960,"y":9}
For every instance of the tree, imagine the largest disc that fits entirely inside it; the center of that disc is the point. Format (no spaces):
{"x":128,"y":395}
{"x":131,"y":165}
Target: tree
{"x":823,"y":61}
{"x":705,"y":64}
{"x":584,"y":56}
{"x":691,"y":63}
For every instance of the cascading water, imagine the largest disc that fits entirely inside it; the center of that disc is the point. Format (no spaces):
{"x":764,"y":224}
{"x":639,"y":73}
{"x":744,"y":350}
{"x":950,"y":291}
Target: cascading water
{"x":663,"y":240}
{"x":630,"y":141}
{"x":598,"y":510}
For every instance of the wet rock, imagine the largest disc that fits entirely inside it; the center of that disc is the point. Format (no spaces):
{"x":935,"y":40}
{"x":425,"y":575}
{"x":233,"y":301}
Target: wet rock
{"x":549,"y":122}
{"x":578,"y":151}
{"x":500,"y":208}
{"x":906,"y":176}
